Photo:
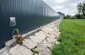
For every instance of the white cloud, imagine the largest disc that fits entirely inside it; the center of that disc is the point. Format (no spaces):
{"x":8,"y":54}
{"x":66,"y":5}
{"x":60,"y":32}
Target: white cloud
{"x":60,"y":1}
{"x":65,"y":6}
{"x":58,"y":7}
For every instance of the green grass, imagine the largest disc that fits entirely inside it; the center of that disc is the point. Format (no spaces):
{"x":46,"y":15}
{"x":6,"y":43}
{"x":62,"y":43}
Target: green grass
{"x":72,"y":38}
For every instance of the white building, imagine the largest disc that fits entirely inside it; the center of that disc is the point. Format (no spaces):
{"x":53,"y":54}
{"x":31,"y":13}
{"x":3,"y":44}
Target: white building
{"x":61,"y":15}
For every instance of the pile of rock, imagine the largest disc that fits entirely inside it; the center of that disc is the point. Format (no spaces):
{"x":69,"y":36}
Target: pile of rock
{"x":38,"y":43}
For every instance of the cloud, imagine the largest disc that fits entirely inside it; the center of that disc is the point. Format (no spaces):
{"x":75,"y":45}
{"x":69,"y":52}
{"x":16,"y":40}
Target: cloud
{"x":65,"y":6}
{"x":60,"y":1}
{"x":59,"y":7}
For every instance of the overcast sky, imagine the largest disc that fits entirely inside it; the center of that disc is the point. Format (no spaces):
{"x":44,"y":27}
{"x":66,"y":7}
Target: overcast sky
{"x":64,"y":6}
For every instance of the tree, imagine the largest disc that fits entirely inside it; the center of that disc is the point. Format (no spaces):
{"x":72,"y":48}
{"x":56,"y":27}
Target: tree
{"x":78,"y":16}
{"x":81,"y":9}
{"x":69,"y":17}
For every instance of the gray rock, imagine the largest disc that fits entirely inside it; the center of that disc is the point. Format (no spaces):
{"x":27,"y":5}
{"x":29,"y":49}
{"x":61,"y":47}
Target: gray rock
{"x":38,"y":38}
{"x":29,"y":43}
{"x":45,"y":43}
{"x":5,"y":53}
{"x":57,"y":42}
{"x":51,"y":39}
{"x":20,"y":50}
{"x":42,"y":50}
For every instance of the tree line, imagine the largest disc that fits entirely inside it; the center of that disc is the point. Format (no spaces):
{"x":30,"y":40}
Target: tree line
{"x":81,"y":12}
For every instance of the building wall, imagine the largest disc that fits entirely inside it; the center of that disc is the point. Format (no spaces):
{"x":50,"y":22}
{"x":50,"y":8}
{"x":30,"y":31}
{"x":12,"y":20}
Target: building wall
{"x":61,"y":16}
{"x":29,"y":14}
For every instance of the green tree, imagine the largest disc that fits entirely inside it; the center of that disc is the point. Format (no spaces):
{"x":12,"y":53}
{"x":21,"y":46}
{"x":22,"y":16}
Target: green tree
{"x":69,"y":17}
{"x":81,"y":9}
{"x":78,"y":16}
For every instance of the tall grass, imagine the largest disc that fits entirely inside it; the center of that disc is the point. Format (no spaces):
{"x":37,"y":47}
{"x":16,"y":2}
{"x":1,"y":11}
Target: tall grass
{"x":72,"y":38}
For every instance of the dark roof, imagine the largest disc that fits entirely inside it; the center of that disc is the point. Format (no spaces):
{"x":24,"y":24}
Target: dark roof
{"x":60,"y":13}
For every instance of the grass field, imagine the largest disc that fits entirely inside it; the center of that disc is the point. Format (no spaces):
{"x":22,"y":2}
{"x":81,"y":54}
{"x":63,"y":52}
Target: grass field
{"x":72,"y":38}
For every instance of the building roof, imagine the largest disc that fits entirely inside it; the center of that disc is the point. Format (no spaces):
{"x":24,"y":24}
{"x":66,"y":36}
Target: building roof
{"x":60,"y":13}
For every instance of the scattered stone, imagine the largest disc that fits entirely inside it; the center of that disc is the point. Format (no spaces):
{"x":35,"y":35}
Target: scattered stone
{"x":57,"y":42}
{"x":44,"y":30}
{"x":38,"y":38}
{"x":51,"y":26}
{"x":20,"y":50}
{"x":50,"y":31}
{"x":41,"y":35}
{"x":41,"y":42}
{"x":43,"y":50}
{"x":34,"y":39}
{"x":29,"y":43}
{"x":5,"y":53}
{"x":58,"y":34}
{"x":51,"y":39}
{"x":46,"y":34}
{"x":45,"y":43}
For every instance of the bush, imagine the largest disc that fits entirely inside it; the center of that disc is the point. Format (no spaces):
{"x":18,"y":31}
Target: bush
{"x":78,"y":16}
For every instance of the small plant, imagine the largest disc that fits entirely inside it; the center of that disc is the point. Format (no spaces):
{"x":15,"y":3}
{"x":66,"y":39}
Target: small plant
{"x":19,"y":38}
